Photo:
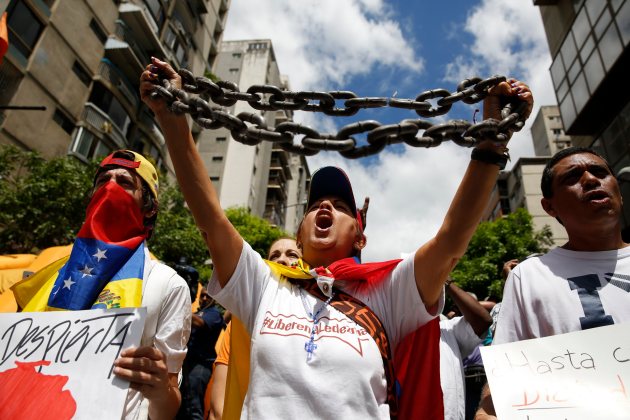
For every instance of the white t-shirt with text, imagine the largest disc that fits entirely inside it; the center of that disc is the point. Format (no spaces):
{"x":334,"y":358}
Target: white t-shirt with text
{"x":344,"y":377}
{"x":564,"y":291}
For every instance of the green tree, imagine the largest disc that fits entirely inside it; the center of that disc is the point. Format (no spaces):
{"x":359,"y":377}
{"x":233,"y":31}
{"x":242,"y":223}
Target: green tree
{"x":176,"y":234}
{"x":259,"y":233}
{"x":494,"y":243}
{"x":42,"y":202}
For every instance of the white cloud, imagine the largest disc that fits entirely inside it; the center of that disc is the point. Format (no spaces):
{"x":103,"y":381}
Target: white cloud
{"x":508,"y":39}
{"x":324,"y":44}
{"x":409,"y":194}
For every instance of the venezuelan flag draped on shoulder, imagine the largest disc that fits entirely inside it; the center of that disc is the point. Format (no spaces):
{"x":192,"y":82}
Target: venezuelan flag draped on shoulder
{"x":106,"y":266}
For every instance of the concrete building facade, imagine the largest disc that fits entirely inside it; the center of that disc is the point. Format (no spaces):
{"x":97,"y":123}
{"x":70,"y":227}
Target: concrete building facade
{"x":267,"y":180}
{"x":548,"y":132}
{"x":589,"y":42}
{"x":82,"y":59}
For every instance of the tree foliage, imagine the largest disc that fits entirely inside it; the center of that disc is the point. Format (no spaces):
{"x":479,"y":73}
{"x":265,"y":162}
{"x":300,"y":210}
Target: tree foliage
{"x":494,"y":243}
{"x":259,"y":233}
{"x":42,"y":202}
{"x":176,"y":234}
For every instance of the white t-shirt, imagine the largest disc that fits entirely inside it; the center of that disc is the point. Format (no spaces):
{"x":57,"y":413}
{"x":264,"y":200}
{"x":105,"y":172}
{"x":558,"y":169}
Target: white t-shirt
{"x":345,"y":377}
{"x":564,"y":291}
{"x":167,"y":328}
{"x":457,"y":340}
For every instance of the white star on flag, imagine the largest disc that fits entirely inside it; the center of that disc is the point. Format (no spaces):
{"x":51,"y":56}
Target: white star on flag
{"x":100,"y":254}
{"x":67,"y":284}
{"x":87,"y":271}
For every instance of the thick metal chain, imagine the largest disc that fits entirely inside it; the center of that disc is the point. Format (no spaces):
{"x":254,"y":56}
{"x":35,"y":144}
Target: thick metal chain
{"x":251,"y":128}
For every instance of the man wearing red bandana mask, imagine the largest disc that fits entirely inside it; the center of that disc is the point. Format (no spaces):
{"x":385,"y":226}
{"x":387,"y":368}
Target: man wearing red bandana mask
{"x":109,"y":267}
{"x":322,"y":335}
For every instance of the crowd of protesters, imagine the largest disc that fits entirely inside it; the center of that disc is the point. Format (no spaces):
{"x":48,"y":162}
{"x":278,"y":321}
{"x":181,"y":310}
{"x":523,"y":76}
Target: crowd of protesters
{"x":313,"y":331}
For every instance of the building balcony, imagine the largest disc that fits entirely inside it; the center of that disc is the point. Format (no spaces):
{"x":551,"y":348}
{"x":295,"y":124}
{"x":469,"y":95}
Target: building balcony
{"x":183,"y":19}
{"x":276,"y":190}
{"x":223,"y":6}
{"x":100,"y":122}
{"x":198,"y":6}
{"x":125,"y":52}
{"x":280,"y":161}
{"x":114,"y":76}
{"x":137,"y":19}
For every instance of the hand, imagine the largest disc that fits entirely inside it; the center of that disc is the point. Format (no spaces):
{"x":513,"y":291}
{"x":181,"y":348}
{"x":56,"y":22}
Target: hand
{"x":511,"y":88}
{"x":150,"y":77}
{"x":507,"y":267}
{"x":145,"y":368}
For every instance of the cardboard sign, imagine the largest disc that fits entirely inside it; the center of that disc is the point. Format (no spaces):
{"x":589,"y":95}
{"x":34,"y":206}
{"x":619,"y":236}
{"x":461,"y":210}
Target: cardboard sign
{"x":58,"y":365}
{"x":574,"y":376}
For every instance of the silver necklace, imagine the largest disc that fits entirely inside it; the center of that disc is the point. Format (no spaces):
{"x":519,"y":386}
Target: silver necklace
{"x":310,"y":345}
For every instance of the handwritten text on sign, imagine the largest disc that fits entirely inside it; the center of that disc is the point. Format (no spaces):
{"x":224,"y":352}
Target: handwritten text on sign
{"x":69,"y":356}
{"x":574,"y":376}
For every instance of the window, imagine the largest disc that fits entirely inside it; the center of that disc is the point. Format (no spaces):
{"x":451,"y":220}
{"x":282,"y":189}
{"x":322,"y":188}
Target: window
{"x":24,"y":28}
{"x":557,"y":131}
{"x":214,"y":178}
{"x":107,"y":102}
{"x":217,"y":158}
{"x":10,"y":78}
{"x":81,"y":73}
{"x":257,"y":46}
{"x":233,"y":71}
{"x":176,"y":45}
{"x":89,"y":146}
{"x":64,"y":122}
{"x":157,"y":11}
{"x":220,"y":139}
{"x":98,"y":31}
{"x":236,"y":55}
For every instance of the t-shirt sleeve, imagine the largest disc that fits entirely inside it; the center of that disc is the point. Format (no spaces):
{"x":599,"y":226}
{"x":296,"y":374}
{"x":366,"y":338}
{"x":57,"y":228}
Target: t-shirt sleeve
{"x":173,"y":331}
{"x":223,"y":355}
{"x":244,"y":290}
{"x":511,"y":324}
{"x":397,"y":303}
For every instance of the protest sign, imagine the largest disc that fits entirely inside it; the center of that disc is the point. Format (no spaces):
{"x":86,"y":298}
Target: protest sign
{"x":58,"y":365}
{"x":574,"y":376}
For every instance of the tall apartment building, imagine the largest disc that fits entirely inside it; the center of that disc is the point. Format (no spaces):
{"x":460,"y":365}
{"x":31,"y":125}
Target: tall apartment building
{"x":269,"y":181}
{"x":520,"y":187}
{"x":82,"y":60}
{"x":589,"y":41}
{"x":548,"y":132}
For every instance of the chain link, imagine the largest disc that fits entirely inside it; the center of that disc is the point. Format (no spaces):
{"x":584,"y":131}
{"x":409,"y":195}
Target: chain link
{"x":250,"y":128}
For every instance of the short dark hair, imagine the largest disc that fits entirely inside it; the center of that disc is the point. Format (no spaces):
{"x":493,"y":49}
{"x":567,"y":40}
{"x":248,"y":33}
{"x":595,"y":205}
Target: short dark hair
{"x":547,"y":176}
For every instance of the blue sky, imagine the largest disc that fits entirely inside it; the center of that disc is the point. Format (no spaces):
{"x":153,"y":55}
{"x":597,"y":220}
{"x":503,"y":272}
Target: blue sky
{"x":401,"y":48}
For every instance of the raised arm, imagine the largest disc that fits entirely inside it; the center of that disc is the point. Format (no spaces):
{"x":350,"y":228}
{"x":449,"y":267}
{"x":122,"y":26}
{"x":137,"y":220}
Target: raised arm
{"x":435,"y":259}
{"x":476,"y":315}
{"x":223,"y":240}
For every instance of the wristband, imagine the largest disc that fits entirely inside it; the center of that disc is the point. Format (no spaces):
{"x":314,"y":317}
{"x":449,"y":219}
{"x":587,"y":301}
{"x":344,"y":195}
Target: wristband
{"x":489,"y":156}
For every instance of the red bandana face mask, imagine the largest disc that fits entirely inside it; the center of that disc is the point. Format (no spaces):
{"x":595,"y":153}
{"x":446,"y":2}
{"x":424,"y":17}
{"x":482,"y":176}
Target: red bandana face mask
{"x":114,"y":217}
